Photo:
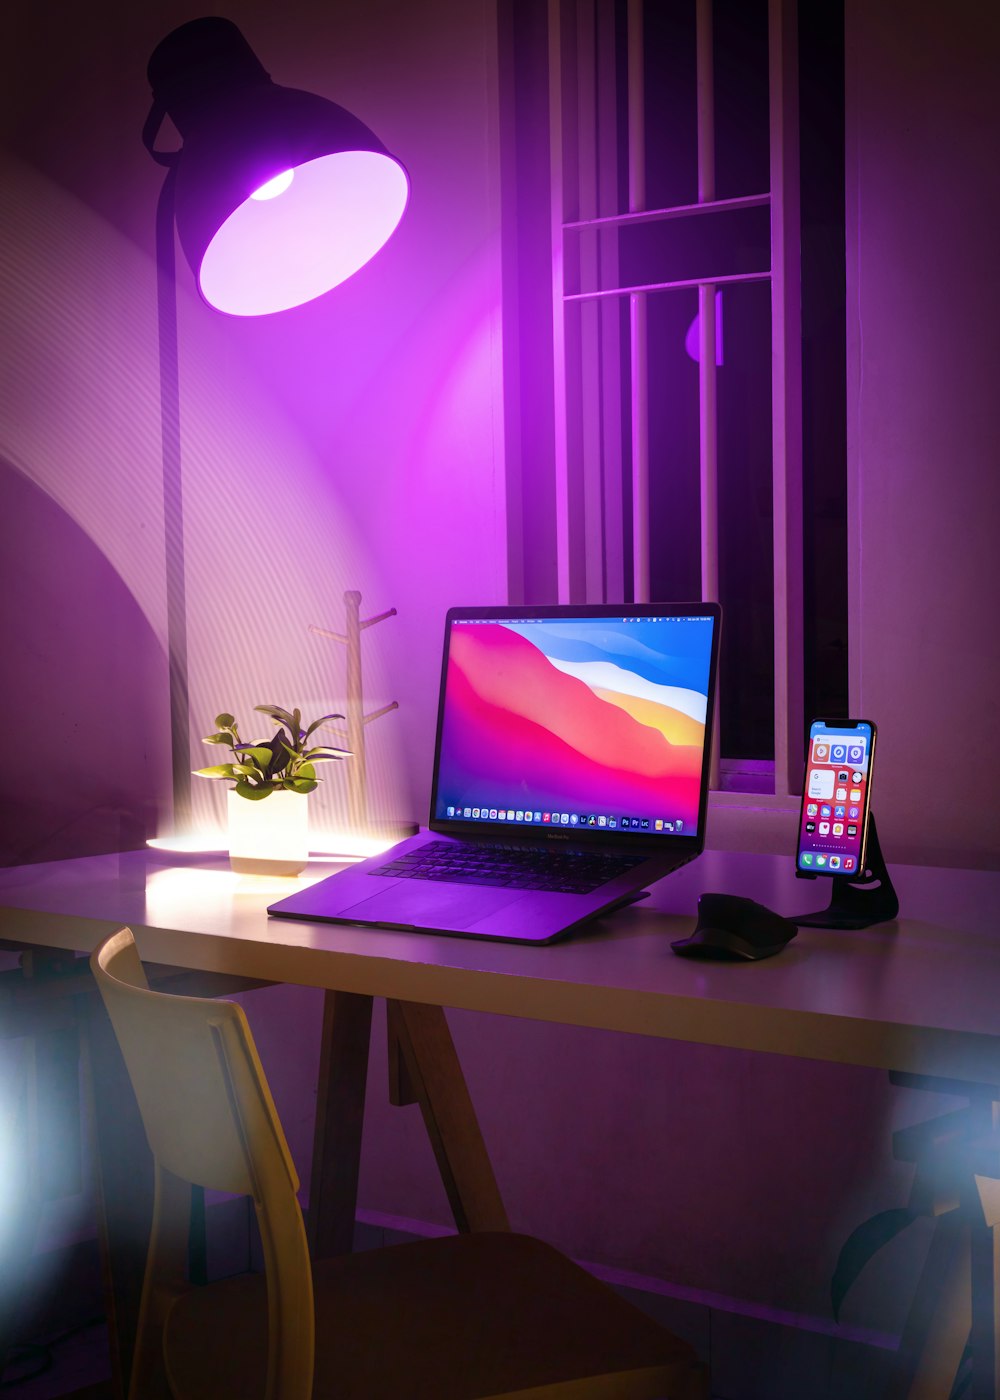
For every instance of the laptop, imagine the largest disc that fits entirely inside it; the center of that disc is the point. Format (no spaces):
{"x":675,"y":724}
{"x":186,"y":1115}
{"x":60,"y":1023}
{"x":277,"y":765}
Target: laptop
{"x":570,"y":772}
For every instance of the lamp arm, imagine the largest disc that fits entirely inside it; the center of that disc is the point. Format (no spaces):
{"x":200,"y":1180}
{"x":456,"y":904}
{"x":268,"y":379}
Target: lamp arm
{"x":150,"y":129}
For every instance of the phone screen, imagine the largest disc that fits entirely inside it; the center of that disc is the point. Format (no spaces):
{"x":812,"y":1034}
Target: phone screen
{"x":836,"y":795}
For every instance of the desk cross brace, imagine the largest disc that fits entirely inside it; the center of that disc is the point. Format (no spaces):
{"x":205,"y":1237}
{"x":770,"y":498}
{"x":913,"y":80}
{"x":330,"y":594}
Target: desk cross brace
{"x":424,"y":1069}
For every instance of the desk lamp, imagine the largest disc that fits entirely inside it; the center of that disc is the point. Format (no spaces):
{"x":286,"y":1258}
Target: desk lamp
{"x":278,"y":196}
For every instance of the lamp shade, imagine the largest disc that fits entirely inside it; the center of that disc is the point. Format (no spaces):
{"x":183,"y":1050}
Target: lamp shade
{"x":280,"y":194}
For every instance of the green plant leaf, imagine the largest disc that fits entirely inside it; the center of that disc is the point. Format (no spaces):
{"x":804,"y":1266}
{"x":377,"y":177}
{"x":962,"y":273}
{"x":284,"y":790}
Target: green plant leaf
{"x":224,"y":721}
{"x":305,"y":770}
{"x":218,"y":770}
{"x":276,"y":712}
{"x":248,"y":770}
{"x":317,"y":722}
{"x":260,"y":753}
{"x":218,"y":739}
{"x":302,"y":785}
{"x":252,"y":794}
{"x":323,"y":755}
{"x":861,"y":1245}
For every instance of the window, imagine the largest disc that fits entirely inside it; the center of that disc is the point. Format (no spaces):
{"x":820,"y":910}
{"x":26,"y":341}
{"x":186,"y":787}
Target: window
{"x":674,"y":335}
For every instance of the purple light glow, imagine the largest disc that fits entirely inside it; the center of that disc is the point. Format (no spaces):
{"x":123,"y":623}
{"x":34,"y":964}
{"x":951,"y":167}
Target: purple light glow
{"x":273,"y":253}
{"x":692,"y":339}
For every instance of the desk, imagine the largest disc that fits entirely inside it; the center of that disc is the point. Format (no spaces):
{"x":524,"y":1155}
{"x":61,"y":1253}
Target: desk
{"x":917,"y":996}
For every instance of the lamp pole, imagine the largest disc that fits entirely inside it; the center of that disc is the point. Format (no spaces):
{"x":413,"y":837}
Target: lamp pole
{"x":173,"y":506}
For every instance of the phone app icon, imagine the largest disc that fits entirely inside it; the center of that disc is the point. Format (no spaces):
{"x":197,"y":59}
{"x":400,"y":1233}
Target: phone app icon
{"x":852,"y":830}
{"x":835,"y":862}
{"x":838,"y":811}
{"x":838,"y":753}
{"x":842,"y":776}
{"x":838,"y":828}
{"x":824,"y":828}
{"x":821,"y":860}
{"x":519,"y":816}
{"x":856,"y":776}
{"x":856,"y":752}
{"x":854,"y":812}
{"x":841,"y":794}
{"x":564,"y":819}
{"x":475,"y":811}
{"x":613,"y":822}
{"x":810,"y":827}
{"x":546,"y":816}
{"x":602,"y":821}
{"x":807,"y":858}
{"x":855,"y":794}
{"x":826,"y":810}
{"x":821,"y":751}
{"x":848,"y":862}
{"x":493,"y":814}
{"x":451,"y":811}
{"x":811,"y":809}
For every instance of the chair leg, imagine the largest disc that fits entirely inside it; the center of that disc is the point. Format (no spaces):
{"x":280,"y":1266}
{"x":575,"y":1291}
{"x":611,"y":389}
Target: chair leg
{"x":123,"y":1172}
{"x":19,"y":1224}
{"x":937,"y":1325}
{"x":985,"y":1264}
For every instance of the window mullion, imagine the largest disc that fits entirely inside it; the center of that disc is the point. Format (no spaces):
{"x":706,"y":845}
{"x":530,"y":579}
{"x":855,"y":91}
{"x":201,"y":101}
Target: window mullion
{"x":786,"y":397}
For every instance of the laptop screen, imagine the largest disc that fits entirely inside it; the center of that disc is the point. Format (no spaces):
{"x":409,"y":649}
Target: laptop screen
{"x":592,"y":719}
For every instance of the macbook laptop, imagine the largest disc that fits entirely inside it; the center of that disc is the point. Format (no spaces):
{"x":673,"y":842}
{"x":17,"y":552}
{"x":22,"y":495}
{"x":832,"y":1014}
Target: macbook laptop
{"x":570,"y":772}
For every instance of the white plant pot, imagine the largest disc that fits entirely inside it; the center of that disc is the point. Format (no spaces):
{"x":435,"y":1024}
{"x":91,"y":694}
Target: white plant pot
{"x":269,"y":837}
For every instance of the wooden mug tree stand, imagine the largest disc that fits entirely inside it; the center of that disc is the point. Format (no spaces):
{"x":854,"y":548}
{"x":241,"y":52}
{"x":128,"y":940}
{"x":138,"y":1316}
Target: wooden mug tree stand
{"x":357,"y":720}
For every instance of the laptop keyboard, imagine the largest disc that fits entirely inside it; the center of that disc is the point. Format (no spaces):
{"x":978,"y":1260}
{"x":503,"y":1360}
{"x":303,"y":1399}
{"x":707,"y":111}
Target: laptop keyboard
{"x":563,"y":872}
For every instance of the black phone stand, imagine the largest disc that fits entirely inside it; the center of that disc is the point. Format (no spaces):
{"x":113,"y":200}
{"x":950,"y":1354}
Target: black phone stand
{"x":857,"y":901}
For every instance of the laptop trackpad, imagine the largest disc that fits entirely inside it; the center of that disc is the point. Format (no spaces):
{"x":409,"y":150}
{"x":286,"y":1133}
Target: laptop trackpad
{"x":421,"y":904}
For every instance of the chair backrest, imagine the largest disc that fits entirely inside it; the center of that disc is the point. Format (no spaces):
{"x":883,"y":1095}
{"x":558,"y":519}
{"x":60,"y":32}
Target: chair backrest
{"x":210,"y":1120}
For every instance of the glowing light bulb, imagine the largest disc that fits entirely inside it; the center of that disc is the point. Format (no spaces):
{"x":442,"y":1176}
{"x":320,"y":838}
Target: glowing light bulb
{"x":272,"y":188}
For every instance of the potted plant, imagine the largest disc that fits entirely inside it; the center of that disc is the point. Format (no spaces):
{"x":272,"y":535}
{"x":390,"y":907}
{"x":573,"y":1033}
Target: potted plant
{"x":271,"y":837}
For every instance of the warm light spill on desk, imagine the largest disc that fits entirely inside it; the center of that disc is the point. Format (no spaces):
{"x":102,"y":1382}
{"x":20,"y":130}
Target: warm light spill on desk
{"x":326,"y":845}
{"x":169,"y":892}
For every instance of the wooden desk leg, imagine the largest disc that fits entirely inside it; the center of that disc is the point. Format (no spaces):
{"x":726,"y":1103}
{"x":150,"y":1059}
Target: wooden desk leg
{"x":340,"y":1111}
{"x":434,"y":1078}
{"x":123,"y":1170}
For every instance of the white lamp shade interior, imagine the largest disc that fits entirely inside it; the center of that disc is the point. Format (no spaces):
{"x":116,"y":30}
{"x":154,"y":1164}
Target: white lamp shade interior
{"x":294,"y":239}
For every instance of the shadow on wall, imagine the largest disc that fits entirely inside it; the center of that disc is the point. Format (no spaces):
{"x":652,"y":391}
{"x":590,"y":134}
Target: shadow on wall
{"x":85,"y":691}
{"x":269,"y":547}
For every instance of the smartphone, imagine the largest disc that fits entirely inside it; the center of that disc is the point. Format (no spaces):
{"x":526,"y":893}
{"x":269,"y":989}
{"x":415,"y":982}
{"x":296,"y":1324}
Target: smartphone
{"x":836,"y":797}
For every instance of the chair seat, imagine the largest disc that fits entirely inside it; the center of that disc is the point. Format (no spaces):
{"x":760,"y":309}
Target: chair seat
{"x":447,"y":1319}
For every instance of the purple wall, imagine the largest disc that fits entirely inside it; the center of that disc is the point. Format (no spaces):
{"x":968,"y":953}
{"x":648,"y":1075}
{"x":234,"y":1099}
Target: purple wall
{"x":361,"y":428}
{"x":923,"y":295}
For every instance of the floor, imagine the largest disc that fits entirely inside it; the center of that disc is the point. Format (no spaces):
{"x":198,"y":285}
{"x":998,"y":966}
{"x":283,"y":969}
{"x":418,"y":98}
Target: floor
{"x":750,"y":1359}
{"x":74,"y":1364}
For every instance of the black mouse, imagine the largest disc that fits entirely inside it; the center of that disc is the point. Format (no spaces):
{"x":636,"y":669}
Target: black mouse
{"x":734,"y":929}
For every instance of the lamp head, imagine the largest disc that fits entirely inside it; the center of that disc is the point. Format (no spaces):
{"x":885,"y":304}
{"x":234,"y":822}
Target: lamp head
{"x":280,"y":195}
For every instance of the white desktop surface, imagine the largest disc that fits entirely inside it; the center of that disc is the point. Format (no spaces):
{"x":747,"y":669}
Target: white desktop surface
{"x":920,"y":994}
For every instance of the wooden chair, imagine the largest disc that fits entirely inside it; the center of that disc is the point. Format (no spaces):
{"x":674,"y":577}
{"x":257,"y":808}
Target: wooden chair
{"x":487,"y":1314}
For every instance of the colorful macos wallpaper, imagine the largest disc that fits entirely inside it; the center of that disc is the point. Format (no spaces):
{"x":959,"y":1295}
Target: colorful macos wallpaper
{"x":577,"y":722}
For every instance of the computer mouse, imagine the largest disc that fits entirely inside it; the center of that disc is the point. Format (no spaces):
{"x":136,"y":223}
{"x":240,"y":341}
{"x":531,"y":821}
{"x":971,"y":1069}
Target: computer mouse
{"x":735,"y":929}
